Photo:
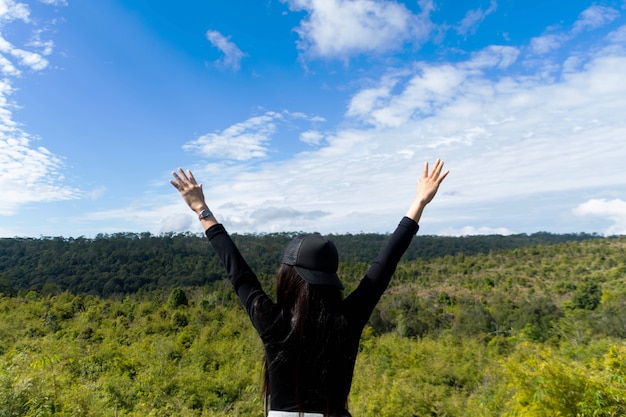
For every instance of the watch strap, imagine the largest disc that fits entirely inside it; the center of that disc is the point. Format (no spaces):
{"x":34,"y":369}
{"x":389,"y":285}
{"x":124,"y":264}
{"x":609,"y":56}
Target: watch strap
{"x":204,"y":214}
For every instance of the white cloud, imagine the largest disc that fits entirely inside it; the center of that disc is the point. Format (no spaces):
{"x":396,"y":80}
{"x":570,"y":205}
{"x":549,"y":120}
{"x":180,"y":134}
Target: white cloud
{"x":7,"y":68}
{"x":273,"y":214}
{"x":494,"y":56}
{"x":591,"y":18}
{"x":428,"y":89}
{"x":30,"y":59}
{"x":28,"y":173}
{"x":594,"y":17}
{"x":33,"y":60}
{"x":45,"y":46}
{"x":618,"y":35}
{"x":547,"y":43}
{"x":96,"y":193}
{"x":473,"y":18}
{"x":472,"y":231}
{"x":241,"y":142}
{"x":55,"y":2}
{"x":11,"y":10}
{"x":613,"y":211}
{"x":373,"y":97}
{"x":311,"y":137}
{"x":340,"y":29}
{"x":232,"y":54}
{"x":177,"y":223}
{"x":251,"y":139}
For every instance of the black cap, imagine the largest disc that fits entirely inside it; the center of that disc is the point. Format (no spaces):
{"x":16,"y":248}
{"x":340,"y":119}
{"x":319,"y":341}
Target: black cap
{"x":315,"y":258}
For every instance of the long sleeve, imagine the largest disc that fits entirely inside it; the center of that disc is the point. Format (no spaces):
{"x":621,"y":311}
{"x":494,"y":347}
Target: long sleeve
{"x":244,"y":281}
{"x":361,"y":302}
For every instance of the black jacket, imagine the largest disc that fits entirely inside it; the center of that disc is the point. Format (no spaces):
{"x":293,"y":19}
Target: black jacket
{"x":270,"y":321}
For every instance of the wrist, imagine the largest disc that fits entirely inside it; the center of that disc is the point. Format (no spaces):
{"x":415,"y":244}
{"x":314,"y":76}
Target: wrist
{"x":200,"y":208}
{"x":205,"y":214}
{"x":415,"y":210}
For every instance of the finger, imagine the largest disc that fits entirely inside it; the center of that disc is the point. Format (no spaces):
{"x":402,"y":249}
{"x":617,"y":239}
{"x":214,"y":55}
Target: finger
{"x":425,"y":171}
{"x":440,"y":179}
{"x":438,"y":167}
{"x":174,"y":183}
{"x":178,"y":180}
{"x":191,"y":177}
{"x":182,"y":174}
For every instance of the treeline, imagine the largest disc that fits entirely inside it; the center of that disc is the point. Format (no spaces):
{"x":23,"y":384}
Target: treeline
{"x":534,"y":331}
{"x":125,"y":263}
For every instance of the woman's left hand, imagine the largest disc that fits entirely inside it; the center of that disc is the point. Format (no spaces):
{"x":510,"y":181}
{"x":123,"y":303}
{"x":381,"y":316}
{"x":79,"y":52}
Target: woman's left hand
{"x":189,"y":189}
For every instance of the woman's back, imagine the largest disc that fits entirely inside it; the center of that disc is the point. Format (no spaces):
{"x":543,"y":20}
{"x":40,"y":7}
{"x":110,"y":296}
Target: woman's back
{"x":310,"y":347}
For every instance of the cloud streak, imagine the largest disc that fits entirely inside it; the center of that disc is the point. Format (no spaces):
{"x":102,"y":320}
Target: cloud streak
{"x":240,"y":142}
{"x":28,"y":174}
{"x":232,"y":55}
{"x":473,"y":18}
{"x":250,"y":139}
{"x":589,"y":19}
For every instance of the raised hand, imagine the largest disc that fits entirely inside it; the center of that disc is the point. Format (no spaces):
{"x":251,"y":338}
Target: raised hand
{"x":427,"y":188}
{"x":429,"y":184}
{"x":189,"y":189}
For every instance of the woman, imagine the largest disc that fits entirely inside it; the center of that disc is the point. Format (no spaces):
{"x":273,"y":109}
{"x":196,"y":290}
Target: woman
{"x":311,"y":333}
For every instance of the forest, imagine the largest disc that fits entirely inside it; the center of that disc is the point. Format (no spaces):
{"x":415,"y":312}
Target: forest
{"x":143,"y":325}
{"x":125,"y":263}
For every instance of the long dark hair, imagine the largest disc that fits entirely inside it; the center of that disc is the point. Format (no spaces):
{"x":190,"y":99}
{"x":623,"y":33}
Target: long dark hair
{"x":315,"y":339}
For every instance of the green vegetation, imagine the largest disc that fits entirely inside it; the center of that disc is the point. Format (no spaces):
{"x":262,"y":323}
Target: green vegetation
{"x":125,"y":263}
{"x":533,"y":330}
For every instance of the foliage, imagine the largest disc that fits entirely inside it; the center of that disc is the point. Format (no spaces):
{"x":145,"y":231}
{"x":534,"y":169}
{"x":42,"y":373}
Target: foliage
{"x":131,"y":355}
{"x":547,"y":383}
{"x":177,"y":298}
{"x":532,"y":331}
{"x":124,"y":263}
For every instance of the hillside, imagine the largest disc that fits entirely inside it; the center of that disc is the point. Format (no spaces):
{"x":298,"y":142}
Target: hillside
{"x":533,"y":331}
{"x":125,"y":263}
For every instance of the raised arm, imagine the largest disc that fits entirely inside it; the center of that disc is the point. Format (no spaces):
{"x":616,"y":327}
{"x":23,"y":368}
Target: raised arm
{"x":244,"y":280}
{"x":193,"y":195}
{"x":427,"y":187}
{"x":360,"y":303}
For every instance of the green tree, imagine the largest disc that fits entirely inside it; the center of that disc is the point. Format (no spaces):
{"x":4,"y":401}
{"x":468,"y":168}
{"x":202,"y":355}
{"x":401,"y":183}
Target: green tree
{"x":587,"y":296}
{"x":547,"y":384}
{"x":6,"y":285}
{"x":177,"y":298}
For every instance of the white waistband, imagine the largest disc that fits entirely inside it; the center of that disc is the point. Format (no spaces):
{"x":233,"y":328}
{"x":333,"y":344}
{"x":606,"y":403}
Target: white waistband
{"x":292,"y":414}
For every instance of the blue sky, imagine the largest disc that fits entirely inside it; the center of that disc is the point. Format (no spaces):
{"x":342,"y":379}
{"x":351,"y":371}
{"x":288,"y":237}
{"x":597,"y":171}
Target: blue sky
{"x":312,"y":115}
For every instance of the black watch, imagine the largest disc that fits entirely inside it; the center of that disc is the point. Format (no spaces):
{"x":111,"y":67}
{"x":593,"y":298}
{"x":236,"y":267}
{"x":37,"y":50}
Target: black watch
{"x":204,"y":214}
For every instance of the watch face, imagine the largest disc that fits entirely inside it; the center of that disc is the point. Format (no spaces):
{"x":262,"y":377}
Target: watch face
{"x":205,"y":213}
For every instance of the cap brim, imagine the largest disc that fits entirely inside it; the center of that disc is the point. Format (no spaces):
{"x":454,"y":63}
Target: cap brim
{"x":319,"y":277}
